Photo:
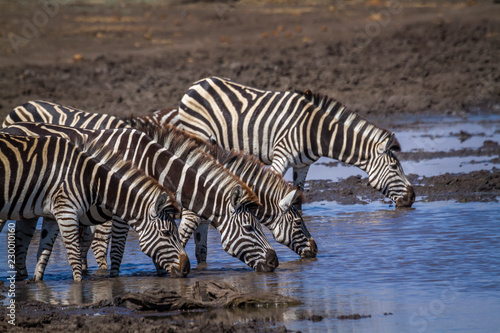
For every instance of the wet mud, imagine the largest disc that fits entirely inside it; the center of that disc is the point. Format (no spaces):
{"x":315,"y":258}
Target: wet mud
{"x":481,"y":185}
{"x":423,"y":58}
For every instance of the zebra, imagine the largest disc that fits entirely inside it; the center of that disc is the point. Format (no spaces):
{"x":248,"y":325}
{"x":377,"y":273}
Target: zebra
{"x":275,"y":194}
{"x":200,"y":185}
{"x":284,"y":221}
{"x":54,"y":178}
{"x":293,"y":129}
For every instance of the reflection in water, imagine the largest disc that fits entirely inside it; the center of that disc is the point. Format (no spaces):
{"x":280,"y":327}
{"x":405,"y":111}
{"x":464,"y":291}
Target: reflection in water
{"x":435,"y":267}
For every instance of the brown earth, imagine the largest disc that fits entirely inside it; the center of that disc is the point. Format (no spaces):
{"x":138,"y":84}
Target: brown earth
{"x":380,"y":58}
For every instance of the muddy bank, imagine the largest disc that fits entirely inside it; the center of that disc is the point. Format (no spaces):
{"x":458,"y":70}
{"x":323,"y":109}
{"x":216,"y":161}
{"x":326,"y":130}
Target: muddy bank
{"x":379,"y":59}
{"x":209,"y":307}
{"x":475,"y":186}
{"x":212,"y":306}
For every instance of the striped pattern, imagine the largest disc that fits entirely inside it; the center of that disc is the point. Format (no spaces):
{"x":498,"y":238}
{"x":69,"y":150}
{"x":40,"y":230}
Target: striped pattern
{"x":157,"y":118}
{"x":275,"y":195}
{"x":291,"y":129}
{"x":51,"y":177}
{"x":205,"y":187}
{"x":52,"y":113}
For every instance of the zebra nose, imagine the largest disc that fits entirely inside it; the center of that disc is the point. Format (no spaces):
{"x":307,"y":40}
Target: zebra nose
{"x":272,"y":259}
{"x":270,"y":264}
{"x":408,"y":199}
{"x":310,"y":252}
{"x":184,"y":267}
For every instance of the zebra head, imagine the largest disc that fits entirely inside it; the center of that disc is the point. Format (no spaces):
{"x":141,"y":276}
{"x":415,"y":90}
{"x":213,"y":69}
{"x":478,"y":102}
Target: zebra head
{"x":242,"y":235}
{"x":290,"y":230}
{"x":386,"y":174}
{"x":160,"y":238}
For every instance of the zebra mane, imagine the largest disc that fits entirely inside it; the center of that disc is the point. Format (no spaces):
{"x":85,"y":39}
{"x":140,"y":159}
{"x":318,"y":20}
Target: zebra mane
{"x":114,"y":161}
{"x":335,"y":108}
{"x":187,"y":146}
{"x":240,"y":163}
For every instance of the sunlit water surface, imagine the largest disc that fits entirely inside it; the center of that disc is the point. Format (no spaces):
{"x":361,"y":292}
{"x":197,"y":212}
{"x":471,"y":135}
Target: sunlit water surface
{"x":435,"y":268}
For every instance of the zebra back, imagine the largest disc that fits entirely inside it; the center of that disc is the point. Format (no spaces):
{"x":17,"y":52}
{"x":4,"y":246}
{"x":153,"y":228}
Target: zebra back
{"x":53,"y":113}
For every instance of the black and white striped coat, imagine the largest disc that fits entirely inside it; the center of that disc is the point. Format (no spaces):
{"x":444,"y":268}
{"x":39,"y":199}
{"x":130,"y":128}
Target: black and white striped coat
{"x":51,"y":177}
{"x":276,"y":196}
{"x":292,"y":129}
{"x":199,"y":183}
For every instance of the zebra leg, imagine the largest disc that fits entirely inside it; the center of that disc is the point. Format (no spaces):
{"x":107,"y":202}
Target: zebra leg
{"x":69,"y":228}
{"x":24,"y":233}
{"x":119,"y":232}
{"x":86,"y":238}
{"x":189,"y":223}
{"x":100,"y":244}
{"x":50,"y":230}
{"x":200,"y":240}
{"x":299,"y":180}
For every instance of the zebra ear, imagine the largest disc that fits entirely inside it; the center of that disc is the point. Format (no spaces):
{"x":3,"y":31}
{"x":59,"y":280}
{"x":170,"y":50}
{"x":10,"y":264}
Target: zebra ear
{"x":161,"y":202}
{"x":236,"y":195}
{"x":288,"y":200}
{"x":392,"y":143}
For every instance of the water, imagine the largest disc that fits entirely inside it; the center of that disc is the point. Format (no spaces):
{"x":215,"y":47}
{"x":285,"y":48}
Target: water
{"x":435,"y":268}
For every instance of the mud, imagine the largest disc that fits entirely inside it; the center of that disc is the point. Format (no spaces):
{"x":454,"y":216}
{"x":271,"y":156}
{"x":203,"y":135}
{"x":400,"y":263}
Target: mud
{"x":409,"y":57}
{"x":156,"y":309}
{"x":475,"y":186}
{"x":414,"y":58}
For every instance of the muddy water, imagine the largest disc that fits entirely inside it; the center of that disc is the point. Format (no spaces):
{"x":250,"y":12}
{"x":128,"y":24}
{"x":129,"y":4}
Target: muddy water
{"x":435,"y":267}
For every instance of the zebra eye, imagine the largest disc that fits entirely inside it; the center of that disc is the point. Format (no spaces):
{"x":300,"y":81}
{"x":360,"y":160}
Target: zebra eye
{"x":166,"y":233}
{"x":248,"y":228}
{"x":393,"y":166}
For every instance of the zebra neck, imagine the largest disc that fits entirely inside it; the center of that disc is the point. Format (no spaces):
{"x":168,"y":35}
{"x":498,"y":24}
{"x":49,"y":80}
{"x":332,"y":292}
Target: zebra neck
{"x":347,"y":137}
{"x":197,"y":187}
{"x":122,"y":191}
{"x":200,"y":183}
{"x":269,"y":186}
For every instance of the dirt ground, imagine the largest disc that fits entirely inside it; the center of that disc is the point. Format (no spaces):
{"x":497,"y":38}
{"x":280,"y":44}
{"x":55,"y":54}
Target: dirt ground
{"x":380,"y":58}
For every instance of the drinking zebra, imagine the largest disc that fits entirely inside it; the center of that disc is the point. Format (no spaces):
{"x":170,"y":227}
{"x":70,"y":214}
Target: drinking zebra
{"x":293,"y":129}
{"x":200,"y":185}
{"x":275,"y":194}
{"x":52,"y":177}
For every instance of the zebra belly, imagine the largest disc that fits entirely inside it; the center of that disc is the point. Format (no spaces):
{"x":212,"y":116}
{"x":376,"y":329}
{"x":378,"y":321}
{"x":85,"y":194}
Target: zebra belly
{"x":24,"y":212}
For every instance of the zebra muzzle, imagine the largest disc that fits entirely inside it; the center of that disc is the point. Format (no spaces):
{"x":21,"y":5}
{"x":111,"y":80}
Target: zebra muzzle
{"x":181,"y":270}
{"x":408,"y":199}
{"x":270,"y":263}
{"x":311,"y":251}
